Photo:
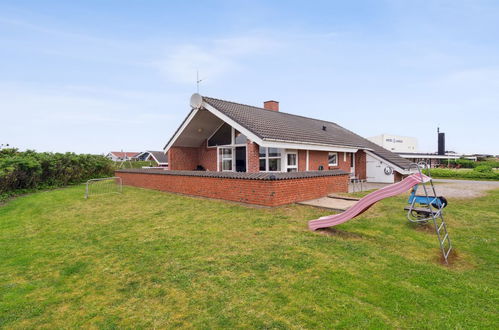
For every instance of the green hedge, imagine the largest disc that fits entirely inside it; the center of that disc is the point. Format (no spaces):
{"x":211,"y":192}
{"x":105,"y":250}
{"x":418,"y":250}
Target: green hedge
{"x":463,"y":174}
{"x":30,"y":170}
{"x":468,"y":163}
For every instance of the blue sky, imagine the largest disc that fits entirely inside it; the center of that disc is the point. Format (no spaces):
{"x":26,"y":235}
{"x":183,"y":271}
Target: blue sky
{"x":94,"y":76}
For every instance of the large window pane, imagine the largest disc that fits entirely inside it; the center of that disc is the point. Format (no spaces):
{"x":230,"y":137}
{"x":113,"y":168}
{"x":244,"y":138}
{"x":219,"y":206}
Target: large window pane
{"x":239,"y":138}
{"x":221,"y":137}
{"x":263,"y":152}
{"x":263,"y":164}
{"x":333,"y":159}
{"x":291,"y":159}
{"x":227,"y":165}
{"x":225,"y":159}
{"x":274,"y":152}
{"x":274,"y":164}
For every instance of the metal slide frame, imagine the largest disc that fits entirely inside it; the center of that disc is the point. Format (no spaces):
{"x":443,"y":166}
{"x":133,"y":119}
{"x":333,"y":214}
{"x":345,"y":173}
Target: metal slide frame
{"x":433,"y":210}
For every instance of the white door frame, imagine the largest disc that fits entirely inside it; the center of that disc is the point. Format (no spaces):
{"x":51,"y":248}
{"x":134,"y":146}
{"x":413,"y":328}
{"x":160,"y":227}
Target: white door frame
{"x":287,"y":166}
{"x":352,"y":163}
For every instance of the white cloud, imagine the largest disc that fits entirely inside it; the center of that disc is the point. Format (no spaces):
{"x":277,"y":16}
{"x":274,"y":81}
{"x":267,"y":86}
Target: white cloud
{"x":213,"y":59}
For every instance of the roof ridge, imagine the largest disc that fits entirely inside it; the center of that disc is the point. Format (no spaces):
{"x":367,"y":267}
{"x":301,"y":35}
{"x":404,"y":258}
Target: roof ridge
{"x":282,"y":112}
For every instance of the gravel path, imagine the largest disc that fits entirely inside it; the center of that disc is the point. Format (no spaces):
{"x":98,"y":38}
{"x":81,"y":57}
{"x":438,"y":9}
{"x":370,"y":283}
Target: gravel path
{"x":449,"y":188}
{"x":463,"y":188}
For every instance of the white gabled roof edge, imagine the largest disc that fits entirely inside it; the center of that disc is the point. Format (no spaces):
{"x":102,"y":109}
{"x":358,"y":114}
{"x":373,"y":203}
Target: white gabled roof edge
{"x":180,"y":130}
{"x":143,"y":152}
{"x":395,"y":167}
{"x":250,"y":135}
{"x":159,"y":163}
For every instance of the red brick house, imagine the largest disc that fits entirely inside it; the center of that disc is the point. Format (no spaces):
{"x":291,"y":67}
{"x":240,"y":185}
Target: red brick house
{"x":262,"y":156}
{"x":225,"y":136}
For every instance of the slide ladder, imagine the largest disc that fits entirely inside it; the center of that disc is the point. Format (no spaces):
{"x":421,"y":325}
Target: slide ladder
{"x":431,"y":210}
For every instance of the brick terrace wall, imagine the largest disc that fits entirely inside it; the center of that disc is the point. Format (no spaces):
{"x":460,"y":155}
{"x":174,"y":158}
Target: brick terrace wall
{"x":260,"y":192}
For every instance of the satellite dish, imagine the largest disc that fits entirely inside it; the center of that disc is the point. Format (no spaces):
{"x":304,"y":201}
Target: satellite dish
{"x":196,"y":101}
{"x":388,"y":170}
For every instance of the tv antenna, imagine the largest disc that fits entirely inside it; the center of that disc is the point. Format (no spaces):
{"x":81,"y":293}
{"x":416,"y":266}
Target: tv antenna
{"x":198,"y":81}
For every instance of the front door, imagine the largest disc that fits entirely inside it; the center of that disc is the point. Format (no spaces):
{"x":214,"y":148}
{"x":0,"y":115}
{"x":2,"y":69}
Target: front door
{"x":352,"y":163}
{"x":240,"y":159}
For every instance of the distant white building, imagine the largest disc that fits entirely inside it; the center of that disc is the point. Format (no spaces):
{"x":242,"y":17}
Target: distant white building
{"x":396,"y":143}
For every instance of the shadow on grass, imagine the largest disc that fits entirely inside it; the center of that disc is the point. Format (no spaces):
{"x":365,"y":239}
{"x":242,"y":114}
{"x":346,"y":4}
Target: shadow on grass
{"x":425,"y":227}
{"x":339,"y":233}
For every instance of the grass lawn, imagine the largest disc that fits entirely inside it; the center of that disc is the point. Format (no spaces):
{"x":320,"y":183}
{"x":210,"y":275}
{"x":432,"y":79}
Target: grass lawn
{"x":151,"y":259}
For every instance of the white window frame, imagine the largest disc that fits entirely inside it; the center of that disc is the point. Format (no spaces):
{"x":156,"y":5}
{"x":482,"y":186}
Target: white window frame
{"x":352,"y":163}
{"x":288,"y":167}
{"x":231,"y":146}
{"x":329,"y":155}
{"x":267,"y":159}
{"x":232,"y":138}
{"x":221,"y":158}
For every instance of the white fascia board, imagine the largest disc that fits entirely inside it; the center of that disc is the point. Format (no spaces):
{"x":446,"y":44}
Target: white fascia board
{"x":294,"y":145}
{"x":233,"y":123}
{"x":144,"y":152}
{"x":154,"y":158}
{"x":395,"y":167}
{"x":428,"y":156}
{"x":180,"y":130}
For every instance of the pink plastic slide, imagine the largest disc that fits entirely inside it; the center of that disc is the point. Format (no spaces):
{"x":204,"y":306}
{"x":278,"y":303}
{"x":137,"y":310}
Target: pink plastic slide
{"x":366,"y":202}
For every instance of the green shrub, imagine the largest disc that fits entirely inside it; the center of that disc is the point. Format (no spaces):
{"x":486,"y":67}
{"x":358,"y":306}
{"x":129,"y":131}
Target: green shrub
{"x":468,"y":163}
{"x":483,"y":169}
{"x":28,"y":170}
{"x":491,"y":162}
{"x":463,"y":162}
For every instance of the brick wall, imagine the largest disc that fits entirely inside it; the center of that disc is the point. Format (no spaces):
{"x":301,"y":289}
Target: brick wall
{"x":343,"y":162}
{"x":360,"y":164}
{"x":260,"y":192}
{"x":316,"y":159}
{"x":252,"y":152}
{"x":302,"y":160}
{"x":207,"y":157}
{"x":183,"y":158}
{"x":398,"y":177}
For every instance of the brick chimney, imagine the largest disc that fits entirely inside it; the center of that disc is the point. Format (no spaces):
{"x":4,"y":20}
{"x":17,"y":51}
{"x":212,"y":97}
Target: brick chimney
{"x":271,"y":105}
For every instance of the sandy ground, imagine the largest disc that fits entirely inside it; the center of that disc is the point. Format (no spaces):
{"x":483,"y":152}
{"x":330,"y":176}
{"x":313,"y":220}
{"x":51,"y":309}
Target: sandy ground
{"x":443,"y":187}
{"x":463,"y":188}
{"x":330,"y":203}
{"x":452,"y":188}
